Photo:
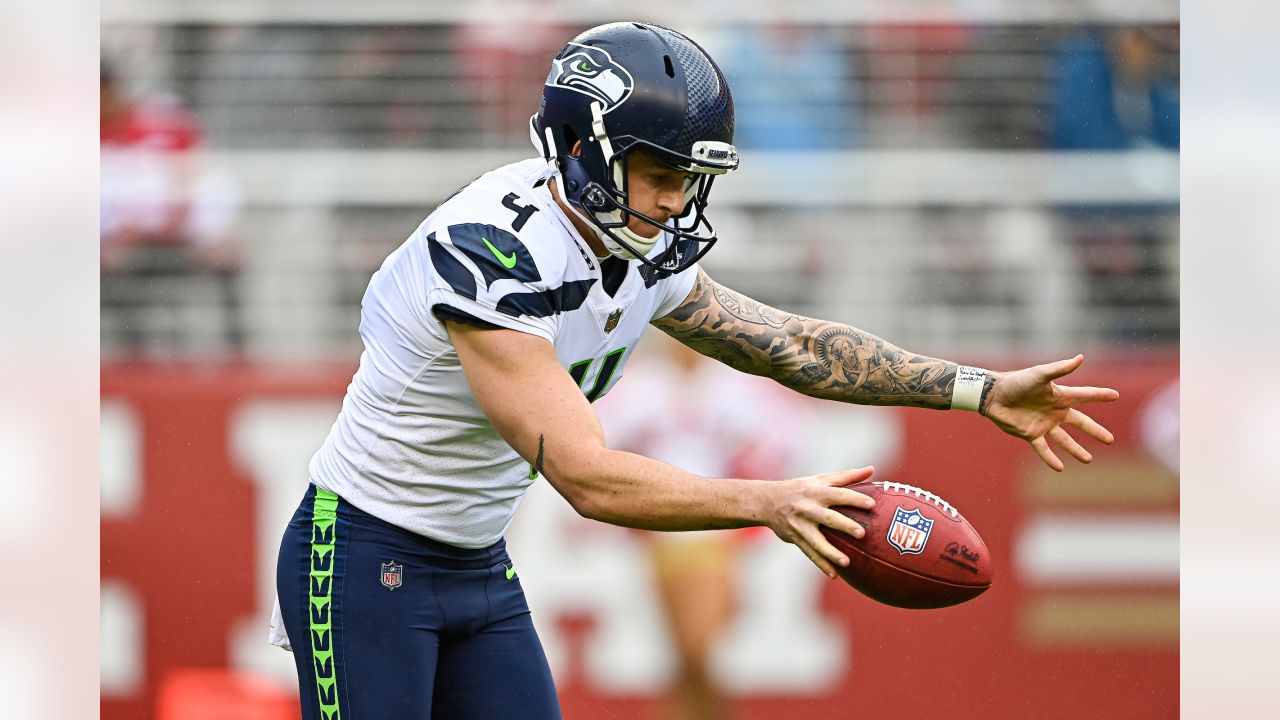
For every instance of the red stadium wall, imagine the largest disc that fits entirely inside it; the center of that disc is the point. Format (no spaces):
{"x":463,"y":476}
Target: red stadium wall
{"x":1051,"y":639}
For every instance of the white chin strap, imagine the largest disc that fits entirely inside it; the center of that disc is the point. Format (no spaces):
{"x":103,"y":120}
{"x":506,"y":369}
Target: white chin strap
{"x":641,"y":243}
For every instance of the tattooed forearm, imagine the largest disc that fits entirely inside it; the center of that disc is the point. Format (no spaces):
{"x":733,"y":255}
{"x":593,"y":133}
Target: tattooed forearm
{"x":816,"y":357}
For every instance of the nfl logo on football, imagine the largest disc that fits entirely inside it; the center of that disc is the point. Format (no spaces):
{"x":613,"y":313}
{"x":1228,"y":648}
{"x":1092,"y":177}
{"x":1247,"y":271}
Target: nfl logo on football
{"x":909,"y":531}
{"x":392,"y":575}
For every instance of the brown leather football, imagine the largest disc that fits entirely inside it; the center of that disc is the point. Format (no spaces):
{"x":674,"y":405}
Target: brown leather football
{"x":918,"y":552}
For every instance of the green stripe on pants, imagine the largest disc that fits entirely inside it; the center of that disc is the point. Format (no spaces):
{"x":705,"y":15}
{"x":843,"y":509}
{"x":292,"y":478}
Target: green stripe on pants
{"x":324,"y":531}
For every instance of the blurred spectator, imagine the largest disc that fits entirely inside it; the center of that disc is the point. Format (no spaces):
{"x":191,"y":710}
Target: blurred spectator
{"x":146,"y":173}
{"x":793,"y":88}
{"x":165,"y":218}
{"x":1111,"y":93}
{"x":681,"y":408}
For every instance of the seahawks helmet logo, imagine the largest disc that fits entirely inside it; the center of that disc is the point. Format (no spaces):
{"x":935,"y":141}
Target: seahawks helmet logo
{"x":592,"y":72}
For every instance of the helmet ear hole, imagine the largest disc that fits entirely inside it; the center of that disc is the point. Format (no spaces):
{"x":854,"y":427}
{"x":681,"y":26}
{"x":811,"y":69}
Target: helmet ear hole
{"x":671,"y":71}
{"x":571,"y":140}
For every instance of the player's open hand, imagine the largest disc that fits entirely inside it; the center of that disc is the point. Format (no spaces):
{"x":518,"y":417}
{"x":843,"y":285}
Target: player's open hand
{"x":1030,"y":405}
{"x":799,"y":506}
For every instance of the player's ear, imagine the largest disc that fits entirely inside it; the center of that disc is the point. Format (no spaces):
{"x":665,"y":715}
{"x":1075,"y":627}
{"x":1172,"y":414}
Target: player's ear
{"x":577,"y":148}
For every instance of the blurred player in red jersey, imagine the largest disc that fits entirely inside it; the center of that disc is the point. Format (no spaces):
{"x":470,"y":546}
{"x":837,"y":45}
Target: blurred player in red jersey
{"x":165,"y":214}
{"x":682,"y":408}
{"x":147,"y":170}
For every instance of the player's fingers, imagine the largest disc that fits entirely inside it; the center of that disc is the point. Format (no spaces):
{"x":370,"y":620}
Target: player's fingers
{"x":815,"y":539}
{"x":1084,"y":394}
{"x":841,"y":522}
{"x":1055,"y":370}
{"x":815,"y":557}
{"x":851,"y":498}
{"x":1041,"y":447}
{"x":847,"y":477}
{"x":1068,"y":443}
{"x":1077,"y":419}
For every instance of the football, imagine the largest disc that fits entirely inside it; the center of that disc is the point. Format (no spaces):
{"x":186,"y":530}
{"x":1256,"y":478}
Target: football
{"x":918,"y":552}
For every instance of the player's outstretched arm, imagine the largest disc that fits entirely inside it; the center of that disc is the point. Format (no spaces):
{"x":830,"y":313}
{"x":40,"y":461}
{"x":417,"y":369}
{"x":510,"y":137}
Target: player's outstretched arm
{"x":835,"y":361}
{"x":536,"y":407}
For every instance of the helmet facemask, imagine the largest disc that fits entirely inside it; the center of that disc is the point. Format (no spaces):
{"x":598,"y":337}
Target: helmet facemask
{"x":606,"y":207}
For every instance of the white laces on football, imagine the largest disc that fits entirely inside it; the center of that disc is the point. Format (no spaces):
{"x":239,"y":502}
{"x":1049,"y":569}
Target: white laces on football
{"x":923,"y":494}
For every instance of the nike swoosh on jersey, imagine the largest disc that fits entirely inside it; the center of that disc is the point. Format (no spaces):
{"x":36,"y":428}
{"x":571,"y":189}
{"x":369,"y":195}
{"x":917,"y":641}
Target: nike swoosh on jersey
{"x":508,"y":261}
{"x":498,"y":254}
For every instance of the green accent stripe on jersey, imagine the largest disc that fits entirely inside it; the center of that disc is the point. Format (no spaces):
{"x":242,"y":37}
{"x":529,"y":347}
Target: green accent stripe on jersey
{"x":578,"y":371}
{"x":607,"y":368}
{"x":324,"y":535}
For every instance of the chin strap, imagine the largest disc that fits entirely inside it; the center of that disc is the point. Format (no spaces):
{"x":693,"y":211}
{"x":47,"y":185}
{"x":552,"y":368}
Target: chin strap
{"x":547,"y":145}
{"x":639,"y":242}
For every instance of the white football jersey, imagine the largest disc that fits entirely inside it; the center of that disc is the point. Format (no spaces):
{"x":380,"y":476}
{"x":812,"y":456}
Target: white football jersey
{"x":411,"y":445}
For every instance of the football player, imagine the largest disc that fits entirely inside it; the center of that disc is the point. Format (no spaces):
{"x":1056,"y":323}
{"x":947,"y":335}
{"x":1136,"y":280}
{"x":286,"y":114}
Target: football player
{"x":487,"y":335}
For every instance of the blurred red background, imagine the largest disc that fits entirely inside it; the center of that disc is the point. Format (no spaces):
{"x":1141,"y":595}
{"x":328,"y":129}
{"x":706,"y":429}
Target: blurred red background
{"x":184,"y":538}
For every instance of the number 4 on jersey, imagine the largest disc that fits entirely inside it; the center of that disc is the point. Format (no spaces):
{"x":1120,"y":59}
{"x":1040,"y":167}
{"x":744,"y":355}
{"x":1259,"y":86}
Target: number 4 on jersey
{"x":523,"y":212}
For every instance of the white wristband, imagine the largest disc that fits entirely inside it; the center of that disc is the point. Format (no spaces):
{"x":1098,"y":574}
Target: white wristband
{"x":967,"y":394}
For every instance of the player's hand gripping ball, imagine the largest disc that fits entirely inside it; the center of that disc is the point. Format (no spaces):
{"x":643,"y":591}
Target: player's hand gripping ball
{"x":918,"y":552}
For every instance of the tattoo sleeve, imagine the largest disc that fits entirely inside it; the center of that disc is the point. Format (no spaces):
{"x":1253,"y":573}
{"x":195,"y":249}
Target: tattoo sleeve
{"x":818,"y":358}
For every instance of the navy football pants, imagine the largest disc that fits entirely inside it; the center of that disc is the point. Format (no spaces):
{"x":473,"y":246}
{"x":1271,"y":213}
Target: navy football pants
{"x":388,"y":625}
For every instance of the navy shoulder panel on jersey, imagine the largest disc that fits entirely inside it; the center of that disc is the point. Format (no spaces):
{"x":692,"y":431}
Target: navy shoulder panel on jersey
{"x":497,"y":253}
{"x":451,"y":269}
{"x":546,"y":303}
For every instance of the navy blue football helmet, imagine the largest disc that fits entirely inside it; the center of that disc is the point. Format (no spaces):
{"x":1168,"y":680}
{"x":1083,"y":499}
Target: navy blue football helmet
{"x":630,"y":86}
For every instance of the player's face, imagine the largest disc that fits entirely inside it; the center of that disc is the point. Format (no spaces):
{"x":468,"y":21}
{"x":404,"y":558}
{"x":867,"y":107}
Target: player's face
{"x":655,"y":189}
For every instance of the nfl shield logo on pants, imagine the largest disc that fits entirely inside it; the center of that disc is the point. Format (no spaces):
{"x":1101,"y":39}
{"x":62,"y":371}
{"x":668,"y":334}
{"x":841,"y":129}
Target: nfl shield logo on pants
{"x":909,"y":531}
{"x":392,"y":575}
